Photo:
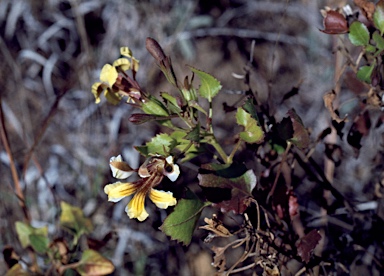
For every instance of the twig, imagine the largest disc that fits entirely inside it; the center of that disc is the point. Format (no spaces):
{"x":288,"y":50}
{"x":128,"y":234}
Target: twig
{"x":15,"y":177}
{"x":284,"y":158}
{"x":44,"y":126}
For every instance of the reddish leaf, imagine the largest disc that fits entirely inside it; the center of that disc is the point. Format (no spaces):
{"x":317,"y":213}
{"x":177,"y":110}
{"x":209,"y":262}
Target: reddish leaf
{"x":360,"y":128}
{"x":334,"y":23}
{"x":293,"y":206}
{"x":307,"y":244}
{"x":300,"y":135}
{"x":230,"y":187}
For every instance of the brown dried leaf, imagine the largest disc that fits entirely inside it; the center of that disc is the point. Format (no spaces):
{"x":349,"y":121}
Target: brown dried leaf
{"x":334,"y":23}
{"x":367,"y":7}
{"x":307,"y":244}
{"x":328,"y":102}
{"x":219,"y":260}
{"x":216,"y":227}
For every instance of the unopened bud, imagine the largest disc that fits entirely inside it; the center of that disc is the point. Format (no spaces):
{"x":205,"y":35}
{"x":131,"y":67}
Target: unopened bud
{"x":155,"y":49}
{"x":140,"y":118}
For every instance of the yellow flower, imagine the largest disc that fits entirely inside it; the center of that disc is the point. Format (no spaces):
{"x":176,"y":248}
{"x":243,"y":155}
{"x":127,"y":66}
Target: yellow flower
{"x":111,"y":82}
{"x":108,"y":77}
{"x":154,"y":170}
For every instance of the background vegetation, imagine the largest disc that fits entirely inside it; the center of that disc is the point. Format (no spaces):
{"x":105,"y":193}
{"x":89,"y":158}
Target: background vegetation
{"x":61,"y":142}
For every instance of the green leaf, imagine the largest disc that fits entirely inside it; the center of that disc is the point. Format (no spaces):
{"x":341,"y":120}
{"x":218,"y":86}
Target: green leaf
{"x":73,"y":219}
{"x":171,"y":103}
{"x":250,"y":107}
{"x":39,"y":243}
{"x":379,"y":40}
{"x":252,"y":131}
{"x":209,"y":85}
{"x":358,"y":34}
{"x":24,"y":232}
{"x":364,"y":73}
{"x":378,"y":16}
{"x":370,"y":48}
{"x":92,"y":263}
{"x":181,"y":223}
{"x":194,"y":134}
{"x":161,"y":144}
{"x":196,"y":106}
{"x":182,"y":144}
{"x":154,"y":107}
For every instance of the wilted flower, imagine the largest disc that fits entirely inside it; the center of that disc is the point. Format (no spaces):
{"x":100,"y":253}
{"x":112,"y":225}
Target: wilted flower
{"x":151,"y":172}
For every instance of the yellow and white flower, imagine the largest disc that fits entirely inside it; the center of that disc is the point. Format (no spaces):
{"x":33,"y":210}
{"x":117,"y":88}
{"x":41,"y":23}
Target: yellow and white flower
{"x":151,"y":172}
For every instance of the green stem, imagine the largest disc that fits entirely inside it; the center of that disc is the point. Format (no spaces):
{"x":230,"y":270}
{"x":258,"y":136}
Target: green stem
{"x":219,"y":150}
{"x":237,"y":146}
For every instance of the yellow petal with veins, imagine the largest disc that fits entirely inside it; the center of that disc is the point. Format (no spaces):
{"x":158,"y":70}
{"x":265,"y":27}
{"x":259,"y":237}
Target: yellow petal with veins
{"x":108,"y":74}
{"x":136,"y":209}
{"x":162,"y":199}
{"x":118,"y":190}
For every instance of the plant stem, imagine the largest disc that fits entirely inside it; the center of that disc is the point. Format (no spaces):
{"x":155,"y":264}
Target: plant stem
{"x":279,"y":171}
{"x":219,"y":150}
{"x":237,"y":146}
{"x":15,"y":177}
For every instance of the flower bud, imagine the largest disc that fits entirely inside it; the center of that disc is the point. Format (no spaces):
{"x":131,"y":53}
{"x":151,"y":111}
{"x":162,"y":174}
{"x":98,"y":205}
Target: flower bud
{"x":155,"y":49}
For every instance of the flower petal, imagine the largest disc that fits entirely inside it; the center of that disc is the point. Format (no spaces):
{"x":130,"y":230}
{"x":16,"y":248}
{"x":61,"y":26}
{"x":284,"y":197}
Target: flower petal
{"x":118,"y":190}
{"x":97,"y":89}
{"x":119,"y":168}
{"x":162,"y":199}
{"x":123,"y":63}
{"x":174,"y":173}
{"x":108,"y":74}
{"x":112,"y":97}
{"x":125,"y":51}
{"x":136,"y":209}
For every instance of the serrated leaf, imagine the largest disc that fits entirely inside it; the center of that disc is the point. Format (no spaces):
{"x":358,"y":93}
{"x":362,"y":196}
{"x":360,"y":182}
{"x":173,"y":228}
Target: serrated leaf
{"x":307,"y":244}
{"x":143,"y":150}
{"x":378,"y":16}
{"x":209,"y":85}
{"x":24,"y":231}
{"x":181,"y":223}
{"x":161,"y":144}
{"x":39,"y":243}
{"x":92,"y":263}
{"x":379,"y":40}
{"x":73,"y":219}
{"x":358,"y":34}
{"x":365,"y":72}
{"x":252,"y":131}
